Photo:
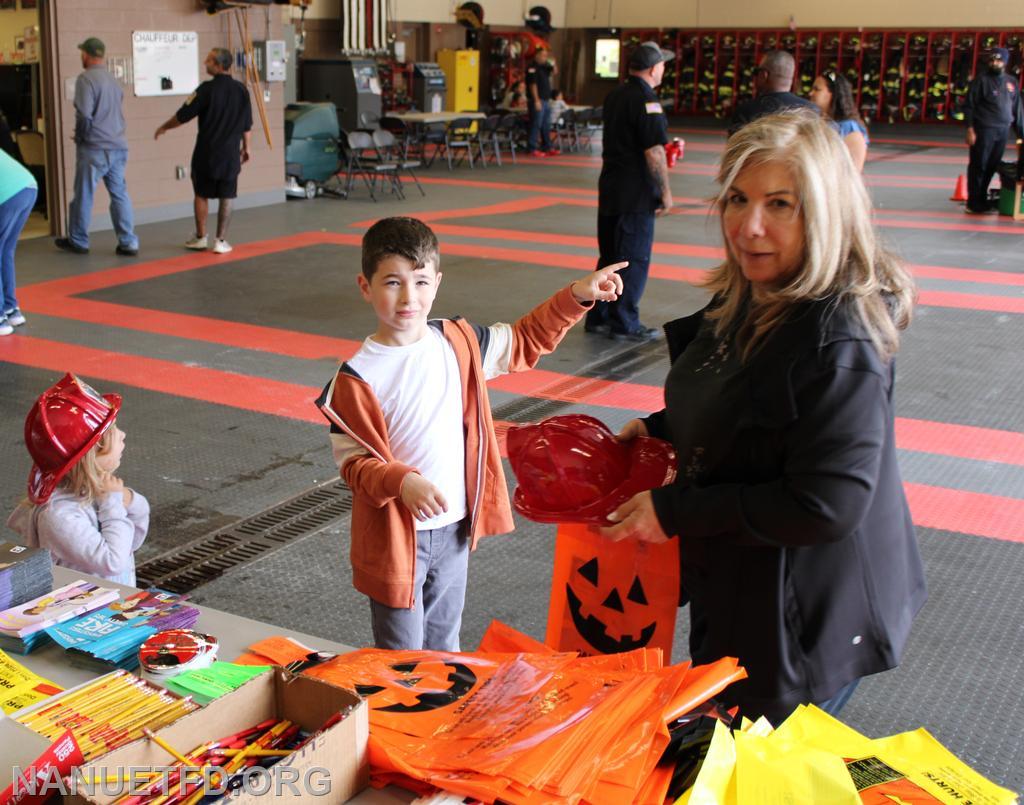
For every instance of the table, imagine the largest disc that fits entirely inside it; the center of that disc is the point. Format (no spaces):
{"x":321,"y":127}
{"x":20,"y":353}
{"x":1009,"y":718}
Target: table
{"x":233,"y":632}
{"x":434,"y":117}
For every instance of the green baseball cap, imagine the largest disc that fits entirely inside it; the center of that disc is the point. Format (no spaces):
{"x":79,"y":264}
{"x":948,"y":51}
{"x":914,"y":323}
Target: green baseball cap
{"x":94,"y":47}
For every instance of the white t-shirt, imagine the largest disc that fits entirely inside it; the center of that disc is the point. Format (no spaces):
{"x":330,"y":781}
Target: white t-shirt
{"x":420,"y":394}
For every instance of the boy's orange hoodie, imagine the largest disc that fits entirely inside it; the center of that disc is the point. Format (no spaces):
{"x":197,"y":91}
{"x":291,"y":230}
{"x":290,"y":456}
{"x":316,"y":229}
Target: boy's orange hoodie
{"x":383,"y":532}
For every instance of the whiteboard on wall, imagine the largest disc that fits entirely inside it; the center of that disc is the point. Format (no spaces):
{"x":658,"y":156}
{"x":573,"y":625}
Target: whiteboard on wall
{"x":166,"y":62}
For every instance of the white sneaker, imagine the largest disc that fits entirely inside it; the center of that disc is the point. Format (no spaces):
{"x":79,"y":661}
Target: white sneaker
{"x":6,"y":328}
{"x":15,"y":317}
{"x":196,"y":242}
{"x":221,"y":246}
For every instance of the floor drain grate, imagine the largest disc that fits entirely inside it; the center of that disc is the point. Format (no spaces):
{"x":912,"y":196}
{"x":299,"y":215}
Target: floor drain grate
{"x":209,"y":557}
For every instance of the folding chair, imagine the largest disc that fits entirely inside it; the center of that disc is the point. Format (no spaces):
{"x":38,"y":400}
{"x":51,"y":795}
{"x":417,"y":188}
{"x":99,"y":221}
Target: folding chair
{"x":458,"y":135}
{"x":506,"y":134}
{"x":566,"y":131}
{"x":487,"y":137}
{"x":388,"y":151}
{"x":363,"y":161}
{"x":405,"y":136}
{"x":433,"y":134}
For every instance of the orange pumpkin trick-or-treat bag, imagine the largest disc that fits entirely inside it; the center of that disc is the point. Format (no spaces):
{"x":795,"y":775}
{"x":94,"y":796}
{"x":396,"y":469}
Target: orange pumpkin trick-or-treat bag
{"x":608,"y":597}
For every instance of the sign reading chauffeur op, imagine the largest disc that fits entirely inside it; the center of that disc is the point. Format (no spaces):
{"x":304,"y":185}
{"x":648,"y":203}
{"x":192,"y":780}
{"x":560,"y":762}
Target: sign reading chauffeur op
{"x":166,"y":62}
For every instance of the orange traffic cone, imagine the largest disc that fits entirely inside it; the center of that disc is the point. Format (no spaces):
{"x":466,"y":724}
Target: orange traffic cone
{"x":960,"y":191}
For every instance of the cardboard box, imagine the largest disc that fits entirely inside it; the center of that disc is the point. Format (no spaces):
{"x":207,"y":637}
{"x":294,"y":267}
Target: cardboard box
{"x":337,"y":758}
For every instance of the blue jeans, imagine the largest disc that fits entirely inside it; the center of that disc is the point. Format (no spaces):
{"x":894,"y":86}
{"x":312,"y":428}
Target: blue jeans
{"x":442,"y":561}
{"x":620,"y":237}
{"x":540,"y":127}
{"x":13,"y":214}
{"x":91,"y":165}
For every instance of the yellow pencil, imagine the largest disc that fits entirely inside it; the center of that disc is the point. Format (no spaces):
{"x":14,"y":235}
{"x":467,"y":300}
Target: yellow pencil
{"x":165,"y":746}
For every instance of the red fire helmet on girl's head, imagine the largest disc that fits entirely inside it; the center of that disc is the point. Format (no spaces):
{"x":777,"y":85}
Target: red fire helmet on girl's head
{"x":571,"y":469}
{"x":63,"y":425}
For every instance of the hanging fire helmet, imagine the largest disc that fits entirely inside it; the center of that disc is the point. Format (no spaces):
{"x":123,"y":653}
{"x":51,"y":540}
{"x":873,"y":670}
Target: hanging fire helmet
{"x":63,"y":425}
{"x":539,"y":20}
{"x":571,"y":469}
{"x":470,"y":15}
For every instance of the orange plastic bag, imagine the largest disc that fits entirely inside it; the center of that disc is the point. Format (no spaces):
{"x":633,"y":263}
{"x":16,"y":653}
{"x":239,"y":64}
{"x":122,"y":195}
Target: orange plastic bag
{"x":608,"y":597}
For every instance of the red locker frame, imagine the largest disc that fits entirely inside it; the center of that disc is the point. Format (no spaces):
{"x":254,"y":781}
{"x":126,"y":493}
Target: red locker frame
{"x":896,"y":92}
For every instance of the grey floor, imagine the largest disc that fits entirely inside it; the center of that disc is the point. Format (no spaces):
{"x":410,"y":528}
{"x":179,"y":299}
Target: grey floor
{"x":205,"y":465}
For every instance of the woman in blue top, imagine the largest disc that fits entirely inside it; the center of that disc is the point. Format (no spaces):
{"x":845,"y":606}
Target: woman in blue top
{"x":17,"y":197}
{"x":833,"y":95}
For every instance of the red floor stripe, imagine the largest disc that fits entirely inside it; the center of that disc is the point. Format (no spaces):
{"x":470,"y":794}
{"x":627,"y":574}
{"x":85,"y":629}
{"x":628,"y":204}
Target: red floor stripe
{"x":966,"y":512}
{"x":997,"y":304}
{"x":192,"y":382}
{"x":967,"y":275}
{"x":530,"y":188}
{"x":582,"y":241}
{"x":993,"y":227}
{"x":191,"y":261}
{"x":548,"y":385}
{"x":501,"y":208}
{"x":961,"y":441}
{"x":197,"y":328}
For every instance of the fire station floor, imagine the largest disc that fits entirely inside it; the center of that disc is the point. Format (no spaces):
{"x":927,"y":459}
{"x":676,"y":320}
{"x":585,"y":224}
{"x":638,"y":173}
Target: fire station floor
{"x":219,"y":359}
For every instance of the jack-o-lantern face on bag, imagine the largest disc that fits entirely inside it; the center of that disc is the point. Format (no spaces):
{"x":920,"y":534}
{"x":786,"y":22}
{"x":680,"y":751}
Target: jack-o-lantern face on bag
{"x":596,"y":585}
{"x":419,"y":687}
{"x":609,"y":597}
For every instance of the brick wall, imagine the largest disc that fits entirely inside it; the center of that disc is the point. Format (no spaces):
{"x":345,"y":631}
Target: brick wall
{"x":155,"y":193}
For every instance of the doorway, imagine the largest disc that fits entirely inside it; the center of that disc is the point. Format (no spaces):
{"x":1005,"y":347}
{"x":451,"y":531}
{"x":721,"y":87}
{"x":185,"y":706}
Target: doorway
{"x":24,"y":129}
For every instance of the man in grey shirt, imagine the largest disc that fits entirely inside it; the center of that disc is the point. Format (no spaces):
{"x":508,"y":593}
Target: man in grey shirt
{"x":101,"y":153}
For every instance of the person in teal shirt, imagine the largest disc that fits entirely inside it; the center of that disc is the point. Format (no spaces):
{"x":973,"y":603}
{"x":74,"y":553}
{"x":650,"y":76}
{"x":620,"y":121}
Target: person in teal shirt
{"x":17,"y":198}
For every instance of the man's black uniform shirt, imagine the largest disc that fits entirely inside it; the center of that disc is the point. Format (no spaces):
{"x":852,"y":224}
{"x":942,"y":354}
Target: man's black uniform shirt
{"x":633,"y":122}
{"x":993,"y":101}
{"x":539,"y":74}
{"x":224,"y":112}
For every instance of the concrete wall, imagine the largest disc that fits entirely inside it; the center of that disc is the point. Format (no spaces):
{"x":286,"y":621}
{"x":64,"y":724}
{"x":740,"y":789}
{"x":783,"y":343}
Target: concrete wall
{"x":496,"y":12}
{"x":156,"y":193}
{"x":720,"y":13}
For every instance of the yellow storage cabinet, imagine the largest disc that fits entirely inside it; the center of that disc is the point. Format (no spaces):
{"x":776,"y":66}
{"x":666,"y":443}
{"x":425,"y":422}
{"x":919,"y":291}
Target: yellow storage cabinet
{"x":462,"y":69}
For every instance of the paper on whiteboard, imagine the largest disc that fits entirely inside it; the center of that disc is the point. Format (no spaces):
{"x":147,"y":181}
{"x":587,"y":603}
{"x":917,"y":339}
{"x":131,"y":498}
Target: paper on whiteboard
{"x":166,"y":62}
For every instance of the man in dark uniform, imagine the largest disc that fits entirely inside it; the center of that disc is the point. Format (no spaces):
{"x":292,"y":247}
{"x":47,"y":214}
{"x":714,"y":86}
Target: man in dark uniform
{"x":993,"y":104}
{"x":222,"y":144}
{"x":632,"y":190}
{"x":773,"y":81}
{"x":538,"y":93}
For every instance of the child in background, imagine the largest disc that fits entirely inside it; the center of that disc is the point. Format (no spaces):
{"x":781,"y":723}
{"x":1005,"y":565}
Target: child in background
{"x":515,"y":98}
{"x":558,"y":106}
{"x":413,"y":437}
{"x":77,"y":508}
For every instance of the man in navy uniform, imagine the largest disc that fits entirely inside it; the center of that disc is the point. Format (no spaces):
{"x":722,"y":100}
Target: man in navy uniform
{"x":632,"y":190}
{"x":993,"y":105}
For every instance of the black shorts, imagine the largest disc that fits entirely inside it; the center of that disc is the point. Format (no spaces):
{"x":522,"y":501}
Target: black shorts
{"x":207,"y":187}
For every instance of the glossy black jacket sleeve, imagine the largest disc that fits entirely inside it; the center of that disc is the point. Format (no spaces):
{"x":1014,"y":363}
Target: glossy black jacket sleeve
{"x":831,"y":458}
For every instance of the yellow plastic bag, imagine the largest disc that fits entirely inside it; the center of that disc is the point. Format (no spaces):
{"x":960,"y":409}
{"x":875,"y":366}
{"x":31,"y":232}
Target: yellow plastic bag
{"x":716,"y":783}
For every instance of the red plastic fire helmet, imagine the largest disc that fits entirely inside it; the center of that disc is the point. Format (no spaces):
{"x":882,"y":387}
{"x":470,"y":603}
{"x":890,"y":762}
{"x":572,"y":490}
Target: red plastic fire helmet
{"x":571,"y":469}
{"x":674,"y":151}
{"x":63,"y":425}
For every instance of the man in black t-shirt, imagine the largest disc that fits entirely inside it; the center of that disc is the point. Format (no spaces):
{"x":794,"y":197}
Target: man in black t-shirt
{"x":222,"y":144}
{"x":633,"y":188}
{"x":773,"y":81}
{"x":538,"y":94}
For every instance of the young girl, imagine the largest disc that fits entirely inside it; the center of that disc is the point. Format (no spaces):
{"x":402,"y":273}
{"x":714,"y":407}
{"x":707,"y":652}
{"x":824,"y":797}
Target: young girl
{"x":77,"y":507}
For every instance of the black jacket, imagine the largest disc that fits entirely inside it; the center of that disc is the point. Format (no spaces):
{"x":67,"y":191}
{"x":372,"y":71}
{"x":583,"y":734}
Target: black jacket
{"x":797,"y":549}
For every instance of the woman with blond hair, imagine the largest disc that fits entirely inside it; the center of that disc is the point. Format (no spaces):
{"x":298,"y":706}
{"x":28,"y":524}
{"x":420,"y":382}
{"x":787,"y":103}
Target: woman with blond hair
{"x":797,"y":550}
